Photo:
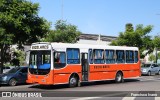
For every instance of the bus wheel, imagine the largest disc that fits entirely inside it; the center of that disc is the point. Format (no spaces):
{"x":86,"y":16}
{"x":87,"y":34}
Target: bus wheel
{"x":73,"y":82}
{"x":119,"y":77}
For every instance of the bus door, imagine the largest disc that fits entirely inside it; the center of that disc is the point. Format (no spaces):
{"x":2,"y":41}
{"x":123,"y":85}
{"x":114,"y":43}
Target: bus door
{"x":85,"y":66}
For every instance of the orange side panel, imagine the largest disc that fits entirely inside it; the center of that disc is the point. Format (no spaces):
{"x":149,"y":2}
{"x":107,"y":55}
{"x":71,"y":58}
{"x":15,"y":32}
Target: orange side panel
{"x":61,"y":78}
{"x":102,"y":72}
{"x":96,"y":72}
{"x":62,"y":75}
{"x":57,"y":76}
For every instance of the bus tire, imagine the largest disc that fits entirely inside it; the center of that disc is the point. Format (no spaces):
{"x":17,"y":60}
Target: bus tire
{"x":119,"y":78}
{"x":79,"y":84}
{"x":73,"y":82}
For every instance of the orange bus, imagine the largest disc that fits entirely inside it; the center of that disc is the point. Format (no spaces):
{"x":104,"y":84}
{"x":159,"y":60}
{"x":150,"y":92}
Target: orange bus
{"x":66,"y":63}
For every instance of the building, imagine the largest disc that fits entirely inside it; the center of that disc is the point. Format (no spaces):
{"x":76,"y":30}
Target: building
{"x":95,"y":39}
{"x":106,"y":40}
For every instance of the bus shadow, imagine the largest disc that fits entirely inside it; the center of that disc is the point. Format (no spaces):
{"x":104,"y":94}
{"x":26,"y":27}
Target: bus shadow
{"x":108,"y":82}
{"x":49,"y":87}
{"x":84,"y":84}
{"x":131,"y":80}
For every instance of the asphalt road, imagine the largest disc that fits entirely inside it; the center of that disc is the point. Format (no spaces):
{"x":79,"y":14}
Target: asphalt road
{"x":143,"y":88}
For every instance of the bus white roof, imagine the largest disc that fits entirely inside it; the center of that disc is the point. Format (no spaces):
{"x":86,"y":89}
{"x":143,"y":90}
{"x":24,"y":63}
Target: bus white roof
{"x":84,"y":46}
{"x":90,"y":46}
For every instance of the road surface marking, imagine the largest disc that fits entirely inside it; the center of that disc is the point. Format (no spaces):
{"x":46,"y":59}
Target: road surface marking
{"x":128,"y":98}
{"x":150,"y":79}
{"x":157,"y":98}
{"x":101,"y":96}
{"x":86,"y":98}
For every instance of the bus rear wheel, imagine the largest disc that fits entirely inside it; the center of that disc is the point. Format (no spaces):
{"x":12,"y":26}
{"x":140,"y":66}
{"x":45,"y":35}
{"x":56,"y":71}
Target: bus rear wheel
{"x":119,"y":78}
{"x":73,"y":82}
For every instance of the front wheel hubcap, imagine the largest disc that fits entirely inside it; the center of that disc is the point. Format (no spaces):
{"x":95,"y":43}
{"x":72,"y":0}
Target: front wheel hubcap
{"x":119,"y":77}
{"x":73,"y":81}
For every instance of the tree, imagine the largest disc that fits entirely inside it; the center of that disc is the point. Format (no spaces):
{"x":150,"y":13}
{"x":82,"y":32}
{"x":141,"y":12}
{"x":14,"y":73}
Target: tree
{"x":152,"y":57}
{"x":20,"y":24}
{"x":137,"y":37}
{"x":158,"y":55}
{"x":18,"y":57}
{"x":63,"y":32}
{"x":156,"y":42}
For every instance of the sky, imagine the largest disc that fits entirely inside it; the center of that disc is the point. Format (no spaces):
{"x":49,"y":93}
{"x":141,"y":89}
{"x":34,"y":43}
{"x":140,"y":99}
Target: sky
{"x":105,"y":17}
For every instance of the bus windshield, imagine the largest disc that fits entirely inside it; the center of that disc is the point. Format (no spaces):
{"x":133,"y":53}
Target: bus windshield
{"x":40,"y":62}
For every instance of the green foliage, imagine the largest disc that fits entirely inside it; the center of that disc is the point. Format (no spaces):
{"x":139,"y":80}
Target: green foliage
{"x":156,"y":42}
{"x":7,"y":64}
{"x":129,"y":27}
{"x":19,"y":18}
{"x":63,"y":32}
{"x":19,"y":58}
{"x":158,"y":55}
{"x":135,"y":37}
{"x":20,"y":24}
{"x":152,"y":58}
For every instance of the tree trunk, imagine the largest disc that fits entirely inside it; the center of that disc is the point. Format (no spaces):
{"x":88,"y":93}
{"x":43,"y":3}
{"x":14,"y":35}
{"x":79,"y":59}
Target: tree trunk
{"x":2,"y":59}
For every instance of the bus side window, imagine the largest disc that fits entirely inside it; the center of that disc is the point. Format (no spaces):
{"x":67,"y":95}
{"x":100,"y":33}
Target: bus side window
{"x":120,"y":56}
{"x":62,"y":58}
{"x":56,"y":57}
{"x":99,"y":56}
{"x":59,"y":59}
{"x":136,"y":56}
{"x":73,"y":56}
{"x":129,"y":56}
{"x":110,"y":56}
{"x":90,"y":56}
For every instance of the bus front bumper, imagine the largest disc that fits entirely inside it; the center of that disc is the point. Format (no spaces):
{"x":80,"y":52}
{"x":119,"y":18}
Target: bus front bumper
{"x":39,"y":81}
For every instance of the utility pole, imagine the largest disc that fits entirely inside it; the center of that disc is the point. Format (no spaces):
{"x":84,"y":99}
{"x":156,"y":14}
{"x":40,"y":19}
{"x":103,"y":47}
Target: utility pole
{"x":61,"y":9}
{"x":156,"y":55}
{"x":156,"y":47}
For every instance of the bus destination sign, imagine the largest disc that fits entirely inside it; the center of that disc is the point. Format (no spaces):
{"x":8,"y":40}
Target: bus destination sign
{"x":40,"y":47}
